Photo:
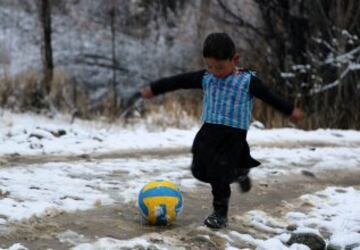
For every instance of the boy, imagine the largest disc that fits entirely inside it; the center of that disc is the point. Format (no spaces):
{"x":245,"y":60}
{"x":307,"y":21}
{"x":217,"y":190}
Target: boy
{"x":221,"y":154}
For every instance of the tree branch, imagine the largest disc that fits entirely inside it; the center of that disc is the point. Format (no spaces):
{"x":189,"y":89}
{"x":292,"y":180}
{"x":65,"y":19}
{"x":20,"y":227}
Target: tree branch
{"x":239,"y":20}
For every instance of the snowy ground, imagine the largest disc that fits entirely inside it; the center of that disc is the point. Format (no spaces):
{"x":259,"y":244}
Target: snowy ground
{"x":49,"y":168}
{"x":35,"y":135}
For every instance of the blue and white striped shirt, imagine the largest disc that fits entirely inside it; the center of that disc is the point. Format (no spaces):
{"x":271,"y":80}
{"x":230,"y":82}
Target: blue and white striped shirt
{"x":228,"y":100}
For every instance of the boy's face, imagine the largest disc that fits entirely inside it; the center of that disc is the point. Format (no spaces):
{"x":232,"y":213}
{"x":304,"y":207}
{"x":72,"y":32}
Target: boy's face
{"x":221,"y":68}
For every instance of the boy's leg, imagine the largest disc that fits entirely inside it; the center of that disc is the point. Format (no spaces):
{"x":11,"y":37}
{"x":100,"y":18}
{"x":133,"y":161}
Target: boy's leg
{"x":244,"y":181}
{"x":221,"y":194}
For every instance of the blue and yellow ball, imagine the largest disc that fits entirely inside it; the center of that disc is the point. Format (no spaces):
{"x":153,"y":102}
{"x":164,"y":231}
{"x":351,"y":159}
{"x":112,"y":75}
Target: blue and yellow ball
{"x":160,"y":202}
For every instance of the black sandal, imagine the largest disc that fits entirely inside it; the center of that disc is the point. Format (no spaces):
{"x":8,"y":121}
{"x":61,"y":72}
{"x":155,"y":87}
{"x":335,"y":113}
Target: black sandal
{"x":215,"y":220}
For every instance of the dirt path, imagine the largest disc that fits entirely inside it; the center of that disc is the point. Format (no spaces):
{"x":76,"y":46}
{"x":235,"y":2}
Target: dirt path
{"x":9,"y":160}
{"x":122,"y":221}
{"x":14,"y":159}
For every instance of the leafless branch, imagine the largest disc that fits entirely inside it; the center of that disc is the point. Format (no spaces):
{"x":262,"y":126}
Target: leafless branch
{"x":239,"y":21}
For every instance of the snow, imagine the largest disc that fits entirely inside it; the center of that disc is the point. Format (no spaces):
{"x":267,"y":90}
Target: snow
{"x":145,"y":242}
{"x":17,"y":137}
{"x":344,"y":58}
{"x":35,"y":189}
{"x":31,"y":189}
{"x":336,"y":210}
{"x":16,"y":246}
{"x":271,"y":244}
{"x":30,"y":134}
{"x":48,"y":188}
{"x":106,"y":243}
{"x":72,"y":238}
{"x":287,"y":75}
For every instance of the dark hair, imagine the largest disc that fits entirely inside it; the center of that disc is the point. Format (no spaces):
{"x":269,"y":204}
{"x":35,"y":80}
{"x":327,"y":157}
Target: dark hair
{"x":219,"y":46}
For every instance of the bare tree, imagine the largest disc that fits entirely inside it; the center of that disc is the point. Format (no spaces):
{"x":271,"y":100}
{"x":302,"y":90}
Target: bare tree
{"x":113,"y":17}
{"x":47,"y":52}
{"x":312,"y":50}
{"x":334,"y":50}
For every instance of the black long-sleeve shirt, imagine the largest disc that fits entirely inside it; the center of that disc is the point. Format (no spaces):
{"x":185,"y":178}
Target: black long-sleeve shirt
{"x":194,"y":80}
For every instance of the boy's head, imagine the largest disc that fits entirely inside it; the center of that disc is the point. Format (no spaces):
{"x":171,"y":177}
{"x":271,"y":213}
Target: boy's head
{"x":219,"y":46}
{"x":219,"y":53}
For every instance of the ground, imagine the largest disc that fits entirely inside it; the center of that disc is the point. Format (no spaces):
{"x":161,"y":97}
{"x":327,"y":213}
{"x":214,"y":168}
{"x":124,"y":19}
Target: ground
{"x":122,"y":221}
{"x":77,"y":192}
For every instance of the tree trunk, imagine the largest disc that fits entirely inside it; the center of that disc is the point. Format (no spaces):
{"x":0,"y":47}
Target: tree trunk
{"x":113,"y":53}
{"x":48,"y":64}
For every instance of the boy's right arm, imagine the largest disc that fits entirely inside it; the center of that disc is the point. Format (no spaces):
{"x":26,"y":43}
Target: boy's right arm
{"x":182,"y":81}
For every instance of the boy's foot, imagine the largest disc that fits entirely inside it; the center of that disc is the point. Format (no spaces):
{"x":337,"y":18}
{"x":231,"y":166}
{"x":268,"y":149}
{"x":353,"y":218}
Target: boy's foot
{"x":215,"y":221}
{"x":245,"y":184}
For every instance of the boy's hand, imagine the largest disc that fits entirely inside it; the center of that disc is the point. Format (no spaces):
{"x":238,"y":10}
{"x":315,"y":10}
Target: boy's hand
{"x":146,"y":92}
{"x":297,"y":115}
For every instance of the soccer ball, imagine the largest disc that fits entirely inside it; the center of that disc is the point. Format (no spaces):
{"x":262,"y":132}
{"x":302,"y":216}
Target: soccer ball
{"x":160,"y":202}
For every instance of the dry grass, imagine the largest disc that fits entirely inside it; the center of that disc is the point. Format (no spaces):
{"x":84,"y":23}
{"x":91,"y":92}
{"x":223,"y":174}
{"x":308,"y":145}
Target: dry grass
{"x":20,"y":92}
{"x":23,"y":92}
{"x":178,"y":109}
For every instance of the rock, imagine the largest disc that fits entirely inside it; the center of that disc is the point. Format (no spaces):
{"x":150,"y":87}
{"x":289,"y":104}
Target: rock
{"x":340,"y":190}
{"x":152,"y":247}
{"x":337,"y":134}
{"x":352,"y":246}
{"x":52,"y":212}
{"x":264,"y":184}
{"x":97,"y":203}
{"x":203,"y":241}
{"x":347,"y":247}
{"x":85,"y":156}
{"x":58,"y":133}
{"x":41,"y":134}
{"x":308,"y":173}
{"x":257,"y":124}
{"x":324,"y":232}
{"x":313,"y":241}
{"x":97,"y":139}
{"x":333,"y":247}
{"x":3,"y":161}
{"x":291,"y":227}
{"x":14,"y":155}
{"x":4,"y":193}
{"x":138,"y":247}
{"x":157,"y":239}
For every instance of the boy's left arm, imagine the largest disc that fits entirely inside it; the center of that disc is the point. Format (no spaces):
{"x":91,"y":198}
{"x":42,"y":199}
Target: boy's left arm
{"x":259,"y":90}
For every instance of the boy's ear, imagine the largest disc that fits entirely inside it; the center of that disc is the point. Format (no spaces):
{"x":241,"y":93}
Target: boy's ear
{"x":236,"y":58}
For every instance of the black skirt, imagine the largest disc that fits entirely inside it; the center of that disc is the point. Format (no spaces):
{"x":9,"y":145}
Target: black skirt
{"x":221,"y":154}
